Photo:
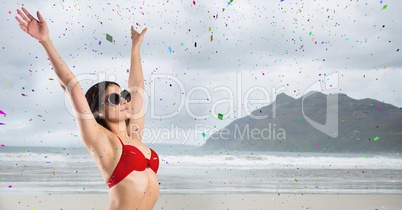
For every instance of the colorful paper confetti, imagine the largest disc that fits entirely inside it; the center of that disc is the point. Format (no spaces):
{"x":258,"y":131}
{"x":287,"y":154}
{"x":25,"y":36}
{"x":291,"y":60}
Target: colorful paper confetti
{"x":109,"y":38}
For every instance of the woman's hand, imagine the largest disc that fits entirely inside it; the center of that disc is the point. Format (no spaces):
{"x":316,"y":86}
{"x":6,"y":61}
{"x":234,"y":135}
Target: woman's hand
{"x":36,"y":28}
{"x":137,"y":37}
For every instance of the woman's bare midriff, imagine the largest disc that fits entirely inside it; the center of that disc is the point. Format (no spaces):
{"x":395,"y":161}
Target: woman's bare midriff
{"x":139,"y":190}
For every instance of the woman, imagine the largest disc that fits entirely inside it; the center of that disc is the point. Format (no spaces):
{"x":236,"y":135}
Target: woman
{"x":110,"y":122}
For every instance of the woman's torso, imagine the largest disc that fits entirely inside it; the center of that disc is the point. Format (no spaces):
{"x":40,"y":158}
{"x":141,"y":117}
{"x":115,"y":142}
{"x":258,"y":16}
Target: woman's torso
{"x":139,"y":189}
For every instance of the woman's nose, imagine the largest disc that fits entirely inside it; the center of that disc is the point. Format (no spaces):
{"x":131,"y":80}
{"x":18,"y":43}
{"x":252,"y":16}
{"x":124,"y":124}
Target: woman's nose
{"x":123,"y":101}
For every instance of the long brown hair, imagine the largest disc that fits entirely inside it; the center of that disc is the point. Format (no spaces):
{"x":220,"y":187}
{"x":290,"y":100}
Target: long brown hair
{"x":93,"y":98}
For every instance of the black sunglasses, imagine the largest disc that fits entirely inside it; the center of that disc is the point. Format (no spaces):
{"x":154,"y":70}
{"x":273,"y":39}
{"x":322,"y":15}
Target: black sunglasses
{"x":114,"y":98}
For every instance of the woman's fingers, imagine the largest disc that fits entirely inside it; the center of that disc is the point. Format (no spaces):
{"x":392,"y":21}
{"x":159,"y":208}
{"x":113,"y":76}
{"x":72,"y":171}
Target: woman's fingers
{"x":28,"y":14}
{"x":23,"y":28}
{"x":41,"y":19}
{"x":21,"y":22}
{"x":144,"y":31}
{"x":133,"y":31}
{"x":23,"y":15}
{"x":23,"y":25}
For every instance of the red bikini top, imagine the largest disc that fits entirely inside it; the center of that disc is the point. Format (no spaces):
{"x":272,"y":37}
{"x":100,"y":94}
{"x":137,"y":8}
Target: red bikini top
{"x":132,"y":159}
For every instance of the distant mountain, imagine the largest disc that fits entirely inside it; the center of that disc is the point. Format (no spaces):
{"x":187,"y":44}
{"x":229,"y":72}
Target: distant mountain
{"x":365,"y":125}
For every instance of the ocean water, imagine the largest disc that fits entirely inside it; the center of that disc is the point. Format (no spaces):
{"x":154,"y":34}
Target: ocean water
{"x":185,"y":169}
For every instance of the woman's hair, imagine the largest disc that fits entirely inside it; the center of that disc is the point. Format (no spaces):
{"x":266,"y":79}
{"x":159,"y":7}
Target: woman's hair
{"x":93,"y":96}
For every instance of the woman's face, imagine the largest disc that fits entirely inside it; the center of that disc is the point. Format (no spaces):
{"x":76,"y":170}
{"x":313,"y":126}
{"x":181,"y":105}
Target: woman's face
{"x":112,"y":112}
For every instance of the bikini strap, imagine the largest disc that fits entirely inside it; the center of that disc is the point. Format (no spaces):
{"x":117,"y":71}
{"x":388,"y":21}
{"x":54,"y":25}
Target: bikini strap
{"x":120,"y":141}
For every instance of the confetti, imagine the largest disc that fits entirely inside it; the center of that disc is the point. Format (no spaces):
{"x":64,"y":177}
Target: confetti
{"x":203,"y":134}
{"x":109,"y":38}
{"x":376,"y":138}
{"x":385,"y":6}
{"x":10,"y":186}
{"x":51,"y":79}
{"x":220,"y":116}
{"x":2,"y":145}
{"x":2,"y":123}
{"x":3,"y":113}
{"x":170,"y":49}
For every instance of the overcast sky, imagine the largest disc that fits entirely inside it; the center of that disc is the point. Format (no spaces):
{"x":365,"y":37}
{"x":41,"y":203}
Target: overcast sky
{"x":202,"y":44}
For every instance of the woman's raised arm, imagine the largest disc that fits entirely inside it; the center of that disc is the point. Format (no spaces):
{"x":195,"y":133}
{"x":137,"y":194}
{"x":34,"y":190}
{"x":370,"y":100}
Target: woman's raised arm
{"x":136,"y":87}
{"x":88,"y":127}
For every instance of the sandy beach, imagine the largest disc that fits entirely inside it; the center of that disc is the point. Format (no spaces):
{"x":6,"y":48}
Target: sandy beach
{"x":213,"y":201}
